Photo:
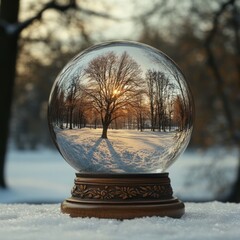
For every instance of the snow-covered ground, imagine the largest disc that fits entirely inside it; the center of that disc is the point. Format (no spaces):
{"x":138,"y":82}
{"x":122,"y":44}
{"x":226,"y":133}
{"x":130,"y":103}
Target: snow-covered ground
{"x":37,"y":176}
{"x":208,"y":221}
{"x":43,"y":176}
{"x":125,"y":151}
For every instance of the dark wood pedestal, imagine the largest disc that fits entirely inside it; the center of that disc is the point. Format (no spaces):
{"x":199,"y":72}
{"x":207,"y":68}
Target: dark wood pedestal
{"x":122,"y":196}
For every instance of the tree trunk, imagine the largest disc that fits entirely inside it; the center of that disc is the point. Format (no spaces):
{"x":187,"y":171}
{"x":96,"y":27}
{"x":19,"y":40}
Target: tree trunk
{"x":71,"y":118}
{"x":106,"y":121}
{"x":234,"y":196}
{"x":104,"y":132}
{"x":8,"y":49}
{"x":67,"y":118}
{"x":152,"y":118}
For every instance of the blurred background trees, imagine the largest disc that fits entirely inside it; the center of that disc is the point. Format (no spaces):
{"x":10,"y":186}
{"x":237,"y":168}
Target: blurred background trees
{"x":201,"y":36}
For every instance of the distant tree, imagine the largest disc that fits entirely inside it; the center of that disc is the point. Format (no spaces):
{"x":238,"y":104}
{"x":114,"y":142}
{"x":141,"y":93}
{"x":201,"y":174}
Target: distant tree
{"x":161,"y":82}
{"x":57,"y":109}
{"x":229,"y":8}
{"x":81,"y":111}
{"x":141,"y":109}
{"x":114,"y":82}
{"x":158,"y":86}
{"x":179,"y":113}
{"x":72,"y":97}
{"x":151,"y":95}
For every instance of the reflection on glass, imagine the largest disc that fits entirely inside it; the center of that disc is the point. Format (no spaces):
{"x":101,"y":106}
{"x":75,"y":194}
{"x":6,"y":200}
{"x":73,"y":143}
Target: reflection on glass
{"x":121,"y":107}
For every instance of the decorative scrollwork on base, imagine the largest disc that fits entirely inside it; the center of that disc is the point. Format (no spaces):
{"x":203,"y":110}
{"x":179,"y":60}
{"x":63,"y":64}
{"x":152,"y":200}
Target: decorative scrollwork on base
{"x":122,"y":192}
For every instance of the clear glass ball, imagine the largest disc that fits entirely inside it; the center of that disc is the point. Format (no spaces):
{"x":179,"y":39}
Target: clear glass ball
{"x":121,"y":107}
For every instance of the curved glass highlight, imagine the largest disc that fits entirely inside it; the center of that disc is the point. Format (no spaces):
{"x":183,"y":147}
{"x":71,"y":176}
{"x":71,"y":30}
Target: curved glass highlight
{"x":121,"y":107}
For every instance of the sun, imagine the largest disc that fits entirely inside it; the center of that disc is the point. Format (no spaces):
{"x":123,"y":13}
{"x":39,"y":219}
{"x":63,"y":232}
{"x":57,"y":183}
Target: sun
{"x":116,"y":92}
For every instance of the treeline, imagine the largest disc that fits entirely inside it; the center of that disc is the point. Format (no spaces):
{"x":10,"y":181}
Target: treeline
{"x":157,"y":103}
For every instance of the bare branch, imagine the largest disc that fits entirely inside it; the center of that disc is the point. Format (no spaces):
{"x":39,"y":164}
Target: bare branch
{"x":16,"y":28}
{"x":156,"y":7}
{"x":97,"y":14}
{"x":38,"y":16}
{"x":216,"y":18}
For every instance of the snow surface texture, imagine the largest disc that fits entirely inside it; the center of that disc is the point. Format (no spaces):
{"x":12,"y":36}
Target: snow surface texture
{"x":202,"y":221}
{"x":125,"y":151}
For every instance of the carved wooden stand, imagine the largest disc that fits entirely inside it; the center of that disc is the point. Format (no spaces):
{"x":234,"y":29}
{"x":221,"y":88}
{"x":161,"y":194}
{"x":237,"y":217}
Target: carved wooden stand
{"x":122,"y":196}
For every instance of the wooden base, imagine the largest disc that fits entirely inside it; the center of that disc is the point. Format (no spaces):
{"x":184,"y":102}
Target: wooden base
{"x":122,"y":196}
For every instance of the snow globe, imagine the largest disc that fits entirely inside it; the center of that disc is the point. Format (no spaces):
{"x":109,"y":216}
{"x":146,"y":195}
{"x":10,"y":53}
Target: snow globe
{"x":120,"y":113}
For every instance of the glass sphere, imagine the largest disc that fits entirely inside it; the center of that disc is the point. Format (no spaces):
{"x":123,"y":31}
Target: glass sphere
{"x":121,"y":107}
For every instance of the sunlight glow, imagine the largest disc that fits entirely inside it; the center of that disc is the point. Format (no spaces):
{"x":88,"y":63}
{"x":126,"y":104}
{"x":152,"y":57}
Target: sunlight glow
{"x":116,"y":92}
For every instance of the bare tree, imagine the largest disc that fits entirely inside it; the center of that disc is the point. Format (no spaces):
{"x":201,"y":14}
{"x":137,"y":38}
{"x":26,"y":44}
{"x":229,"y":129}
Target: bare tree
{"x":114,"y":81}
{"x":178,"y":113}
{"x":151,"y":93}
{"x":158,"y":94}
{"x":57,"y":109}
{"x":140,"y":108}
{"x":81,"y":111}
{"x":72,"y":98}
{"x":220,"y":80}
{"x":10,"y":31}
{"x":161,"y":82}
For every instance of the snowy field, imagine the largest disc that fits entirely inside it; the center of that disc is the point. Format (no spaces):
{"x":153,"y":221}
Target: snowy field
{"x":44,"y":177}
{"x":125,"y":151}
{"x":202,"y":221}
